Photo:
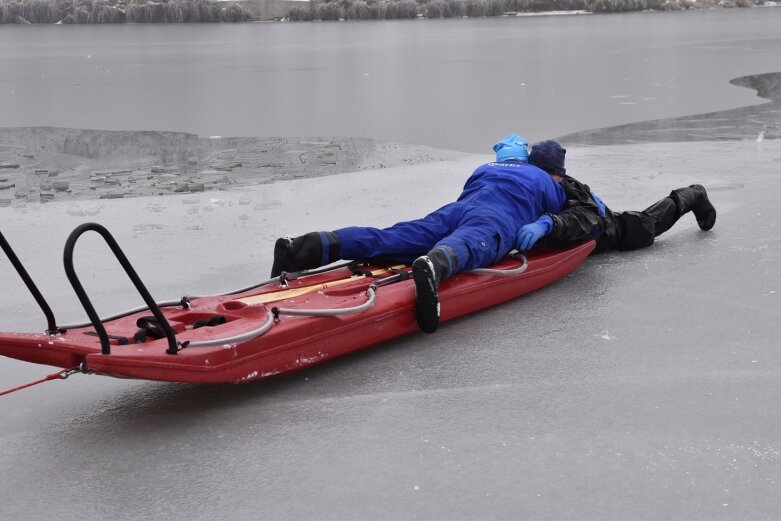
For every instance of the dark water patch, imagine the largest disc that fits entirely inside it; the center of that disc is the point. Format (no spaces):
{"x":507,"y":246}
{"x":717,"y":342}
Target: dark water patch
{"x":756,"y":122}
{"x":768,"y":86}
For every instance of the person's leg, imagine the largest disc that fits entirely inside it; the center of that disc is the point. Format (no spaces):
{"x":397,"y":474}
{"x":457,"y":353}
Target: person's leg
{"x":427,"y":272}
{"x":612,"y":234}
{"x":402,"y":242}
{"x":307,"y":251}
{"x":663,"y":214}
{"x":694,"y":198}
{"x":636,"y":230}
{"x":640,"y":228}
{"x":476,"y":243}
{"x":680,"y":201}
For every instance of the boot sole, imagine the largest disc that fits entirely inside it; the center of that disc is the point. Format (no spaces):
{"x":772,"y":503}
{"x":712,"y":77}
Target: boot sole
{"x":426,"y":297}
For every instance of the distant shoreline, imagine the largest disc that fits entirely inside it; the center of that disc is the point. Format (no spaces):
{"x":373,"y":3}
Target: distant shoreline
{"x":26,"y":12}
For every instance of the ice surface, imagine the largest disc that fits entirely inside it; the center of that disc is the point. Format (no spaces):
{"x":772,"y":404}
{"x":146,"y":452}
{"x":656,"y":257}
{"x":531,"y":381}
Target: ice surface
{"x":639,"y":382}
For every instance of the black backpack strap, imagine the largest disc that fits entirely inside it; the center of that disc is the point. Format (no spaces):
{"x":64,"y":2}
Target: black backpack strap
{"x":214,"y":320}
{"x":121,"y":340}
{"x":151,"y":327}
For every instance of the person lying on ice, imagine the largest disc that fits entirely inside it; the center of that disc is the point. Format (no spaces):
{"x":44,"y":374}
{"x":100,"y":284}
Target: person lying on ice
{"x":585,"y":215}
{"x":476,"y":230}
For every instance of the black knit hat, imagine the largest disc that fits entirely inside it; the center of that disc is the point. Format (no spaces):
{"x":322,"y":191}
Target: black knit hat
{"x":549,"y":156}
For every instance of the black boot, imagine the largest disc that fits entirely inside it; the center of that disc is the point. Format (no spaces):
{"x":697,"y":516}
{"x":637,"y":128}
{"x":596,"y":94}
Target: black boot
{"x":695,"y":198}
{"x":428,"y":271}
{"x":704,"y":211}
{"x":283,"y":253}
{"x":304,"y":252}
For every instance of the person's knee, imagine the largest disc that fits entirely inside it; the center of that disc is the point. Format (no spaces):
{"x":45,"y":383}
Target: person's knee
{"x":638,"y":231}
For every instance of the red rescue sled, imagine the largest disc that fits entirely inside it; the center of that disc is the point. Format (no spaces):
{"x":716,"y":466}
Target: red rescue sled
{"x":278,"y":326}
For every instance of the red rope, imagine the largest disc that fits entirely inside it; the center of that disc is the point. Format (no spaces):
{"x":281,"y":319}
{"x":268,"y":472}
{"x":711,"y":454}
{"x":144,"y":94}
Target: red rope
{"x":52,"y":376}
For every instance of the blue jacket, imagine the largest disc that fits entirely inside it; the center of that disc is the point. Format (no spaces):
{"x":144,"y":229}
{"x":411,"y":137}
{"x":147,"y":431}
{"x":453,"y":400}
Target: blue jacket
{"x":477,"y":229}
{"x":518,"y":191}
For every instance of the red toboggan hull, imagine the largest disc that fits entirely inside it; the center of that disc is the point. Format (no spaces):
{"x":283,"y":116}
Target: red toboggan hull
{"x":290,"y":342}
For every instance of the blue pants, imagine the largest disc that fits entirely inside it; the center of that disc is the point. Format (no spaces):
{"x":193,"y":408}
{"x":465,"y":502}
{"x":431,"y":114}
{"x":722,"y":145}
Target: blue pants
{"x":477,"y":233}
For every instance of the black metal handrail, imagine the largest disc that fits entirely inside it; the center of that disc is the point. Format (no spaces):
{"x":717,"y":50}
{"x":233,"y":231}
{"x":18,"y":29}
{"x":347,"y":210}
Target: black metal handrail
{"x":28,"y":281}
{"x":85,"y":301}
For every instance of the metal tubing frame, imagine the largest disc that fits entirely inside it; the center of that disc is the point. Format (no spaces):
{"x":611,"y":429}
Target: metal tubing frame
{"x":28,"y":281}
{"x":131,"y":273}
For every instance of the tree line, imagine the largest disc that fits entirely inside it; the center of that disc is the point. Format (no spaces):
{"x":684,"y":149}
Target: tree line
{"x":401,"y":9}
{"x":108,"y":11}
{"x":211,"y":11}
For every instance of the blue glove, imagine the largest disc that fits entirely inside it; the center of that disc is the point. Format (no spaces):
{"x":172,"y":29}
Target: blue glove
{"x":529,"y":234}
{"x":600,"y":204}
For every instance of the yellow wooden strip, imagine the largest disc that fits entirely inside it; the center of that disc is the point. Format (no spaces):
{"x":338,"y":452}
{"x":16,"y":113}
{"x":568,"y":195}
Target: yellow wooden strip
{"x":265,"y":298}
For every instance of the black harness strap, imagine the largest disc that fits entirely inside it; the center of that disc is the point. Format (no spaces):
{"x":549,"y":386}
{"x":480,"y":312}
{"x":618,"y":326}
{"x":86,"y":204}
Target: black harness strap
{"x":357,"y":268}
{"x":214,"y":320}
{"x":401,"y":273}
{"x":139,"y":337}
{"x":151,"y":327}
{"x":121,"y":340}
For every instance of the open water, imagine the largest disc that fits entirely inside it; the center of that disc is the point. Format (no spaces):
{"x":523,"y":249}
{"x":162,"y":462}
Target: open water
{"x":454,"y":84}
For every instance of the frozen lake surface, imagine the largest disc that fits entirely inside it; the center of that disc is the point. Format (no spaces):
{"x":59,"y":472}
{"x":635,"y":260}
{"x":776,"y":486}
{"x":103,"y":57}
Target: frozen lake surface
{"x":643,"y":386}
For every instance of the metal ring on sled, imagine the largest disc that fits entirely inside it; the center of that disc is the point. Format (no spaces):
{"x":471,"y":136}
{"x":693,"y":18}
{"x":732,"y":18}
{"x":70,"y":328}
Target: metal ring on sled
{"x":370,"y":293}
{"x":505,"y":273}
{"x":236,"y":338}
{"x":272,"y":314}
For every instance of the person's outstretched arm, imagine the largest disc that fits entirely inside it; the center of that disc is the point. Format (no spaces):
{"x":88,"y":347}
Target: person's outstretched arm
{"x":581,"y":217}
